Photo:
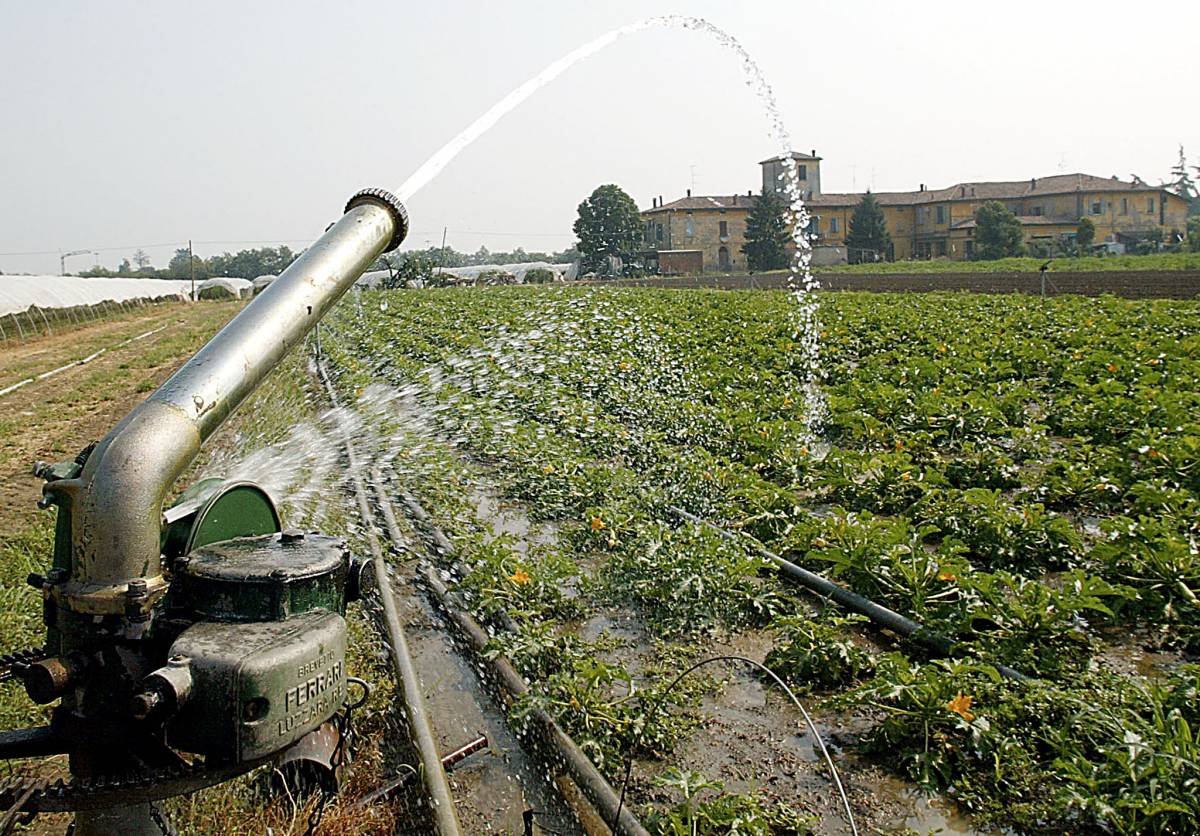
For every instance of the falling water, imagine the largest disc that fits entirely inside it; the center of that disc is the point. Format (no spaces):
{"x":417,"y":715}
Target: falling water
{"x":801,"y":281}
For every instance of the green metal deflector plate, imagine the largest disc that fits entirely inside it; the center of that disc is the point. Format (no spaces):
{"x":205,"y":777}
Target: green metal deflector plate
{"x":213,"y":510}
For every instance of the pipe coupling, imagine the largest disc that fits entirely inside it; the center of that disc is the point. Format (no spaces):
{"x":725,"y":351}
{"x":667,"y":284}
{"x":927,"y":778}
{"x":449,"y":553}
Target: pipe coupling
{"x":388,"y":201}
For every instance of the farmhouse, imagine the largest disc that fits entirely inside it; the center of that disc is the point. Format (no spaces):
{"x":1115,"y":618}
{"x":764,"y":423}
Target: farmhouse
{"x":924,"y":224}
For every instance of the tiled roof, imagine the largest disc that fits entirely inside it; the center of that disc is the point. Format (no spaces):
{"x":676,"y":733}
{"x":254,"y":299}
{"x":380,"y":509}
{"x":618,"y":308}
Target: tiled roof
{"x":736,"y":201}
{"x":1026,"y":220}
{"x":796,"y":155}
{"x":996,"y":190}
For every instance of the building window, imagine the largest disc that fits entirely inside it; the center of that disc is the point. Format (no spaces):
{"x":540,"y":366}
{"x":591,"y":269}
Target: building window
{"x":1036,"y":211}
{"x":941,"y":214}
{"x":1097,"y":207}
{"x":1149,"y":204}
{"x":941,"y":246}
{"x":1124,"y":206}
{"x":833,"y":225}
{"x":691,"y":225}
{"x":658,"y":232}
{"x":803,"y":172}
{"x":724,"y":229}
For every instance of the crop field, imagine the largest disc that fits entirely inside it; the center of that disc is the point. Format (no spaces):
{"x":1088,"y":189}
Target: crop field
{"x":1026,"y":264}
{"x":1019,"y":475}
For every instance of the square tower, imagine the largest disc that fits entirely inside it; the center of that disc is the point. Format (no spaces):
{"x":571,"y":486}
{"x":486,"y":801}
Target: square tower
{"x":808,"y":165}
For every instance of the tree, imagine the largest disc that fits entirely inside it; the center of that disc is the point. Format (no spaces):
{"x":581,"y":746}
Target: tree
{"x":1193,"y":234}
{"x":998,"y":233}
{"x":868,"y":238}
{"x":1182,"y":184}
{"x":1085,"y":234}
{"x":767,"y":233}
{"x":141,"y":260}
{"x":124,"y":268}
{"x":609,"y":224}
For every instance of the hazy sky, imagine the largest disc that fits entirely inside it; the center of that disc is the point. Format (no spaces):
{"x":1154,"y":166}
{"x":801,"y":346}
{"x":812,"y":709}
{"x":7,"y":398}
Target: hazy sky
{"x":129,"y":124}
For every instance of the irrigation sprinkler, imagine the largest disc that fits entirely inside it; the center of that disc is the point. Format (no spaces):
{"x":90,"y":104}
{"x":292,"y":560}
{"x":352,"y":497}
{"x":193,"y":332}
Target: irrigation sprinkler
{"x":188,"y":646}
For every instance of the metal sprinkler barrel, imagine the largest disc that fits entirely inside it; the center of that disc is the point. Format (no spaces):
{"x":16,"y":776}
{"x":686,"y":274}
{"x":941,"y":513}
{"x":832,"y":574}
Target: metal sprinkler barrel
{"x":179,"y":662}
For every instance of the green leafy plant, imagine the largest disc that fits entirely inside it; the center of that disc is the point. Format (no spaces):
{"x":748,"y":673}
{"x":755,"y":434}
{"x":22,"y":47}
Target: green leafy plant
{"x":818,"y":653}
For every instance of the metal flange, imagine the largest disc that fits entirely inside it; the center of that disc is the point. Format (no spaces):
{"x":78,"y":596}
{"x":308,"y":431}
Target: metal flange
{"x":387,"y":200}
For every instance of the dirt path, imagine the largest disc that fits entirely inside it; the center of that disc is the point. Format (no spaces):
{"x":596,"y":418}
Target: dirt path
{"x":30,"y":357}
{"x":53,"y":419}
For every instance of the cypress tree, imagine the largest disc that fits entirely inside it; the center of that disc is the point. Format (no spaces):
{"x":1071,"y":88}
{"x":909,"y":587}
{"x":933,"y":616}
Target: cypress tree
{"x":868,"y":234}
{"x":767,"y":233}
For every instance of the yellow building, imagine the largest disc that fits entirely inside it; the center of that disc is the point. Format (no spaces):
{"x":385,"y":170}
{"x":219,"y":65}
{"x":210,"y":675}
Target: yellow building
{"x":923,"y":224}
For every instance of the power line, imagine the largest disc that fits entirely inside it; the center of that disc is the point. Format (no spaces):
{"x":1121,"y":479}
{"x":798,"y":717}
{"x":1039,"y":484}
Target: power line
{"x":181,"y":244}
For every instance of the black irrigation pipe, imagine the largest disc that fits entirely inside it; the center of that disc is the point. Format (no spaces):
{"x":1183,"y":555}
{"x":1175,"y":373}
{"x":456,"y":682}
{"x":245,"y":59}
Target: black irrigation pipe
{"x":432,"y":772}
{"x":589,"y":780}
{"x":880,"y":615}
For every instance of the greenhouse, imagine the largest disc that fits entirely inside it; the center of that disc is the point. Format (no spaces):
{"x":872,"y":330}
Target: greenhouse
{"x":19,"y":293}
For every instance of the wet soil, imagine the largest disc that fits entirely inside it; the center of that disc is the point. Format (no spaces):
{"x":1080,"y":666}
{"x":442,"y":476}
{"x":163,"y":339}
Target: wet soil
{"x":492,"y":789}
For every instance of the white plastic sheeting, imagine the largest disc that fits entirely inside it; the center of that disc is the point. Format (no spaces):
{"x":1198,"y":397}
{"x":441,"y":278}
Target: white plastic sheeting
{"x":469,"y":274}
{"x":19,"y":293}
{"x":263,"y":282}
{"x":236,"y":287}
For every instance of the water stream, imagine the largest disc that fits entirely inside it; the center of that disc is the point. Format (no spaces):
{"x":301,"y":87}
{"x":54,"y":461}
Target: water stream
{"x":801,"y":282}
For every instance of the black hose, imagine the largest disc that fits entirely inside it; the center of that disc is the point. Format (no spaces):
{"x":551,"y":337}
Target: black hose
{"x":877,"y":613}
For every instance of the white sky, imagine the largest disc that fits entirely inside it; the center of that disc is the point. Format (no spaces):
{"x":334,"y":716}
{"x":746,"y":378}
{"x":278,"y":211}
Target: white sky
{"x":142,"y":123}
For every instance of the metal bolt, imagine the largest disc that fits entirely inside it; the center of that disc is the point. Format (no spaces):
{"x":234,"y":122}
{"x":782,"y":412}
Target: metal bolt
{"x":137,"y":588}
{"x":56,"y":575}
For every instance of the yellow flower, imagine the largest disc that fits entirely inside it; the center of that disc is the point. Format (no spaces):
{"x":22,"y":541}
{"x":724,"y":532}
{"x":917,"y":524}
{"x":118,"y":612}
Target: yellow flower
{"x":519,"y":577}
{"x":548,"y":469}
{"x":1112,"y":367}
{"x":946,"y":575}
{"x":961,"y":705}
{"x":598,"y":524}
{"x":623,"y":366}
{"x":942,"y":348}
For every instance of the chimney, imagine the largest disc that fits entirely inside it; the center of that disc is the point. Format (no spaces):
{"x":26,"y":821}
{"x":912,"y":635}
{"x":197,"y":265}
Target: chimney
{"x":660,"y":200}
{"x":922,"y":187}
{"x":1032,"y":183}
{"x":654,"y":203}
{"x":735,"y":200}
{"x":749,"y":193}
{"x":689,"y":192}
{"x":814,"y":152}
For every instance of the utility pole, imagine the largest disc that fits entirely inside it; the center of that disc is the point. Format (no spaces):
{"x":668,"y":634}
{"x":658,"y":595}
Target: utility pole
{"x":442,"y":254}
{"x":192,"y":268}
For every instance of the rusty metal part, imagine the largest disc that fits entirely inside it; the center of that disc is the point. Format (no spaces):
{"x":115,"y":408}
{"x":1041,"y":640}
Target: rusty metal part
{"x":398,"y":783}
{"x":47,"y":680}
{"x":76,"y":794}
{"x":309,"y":765}
{"x":19,"y":657}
